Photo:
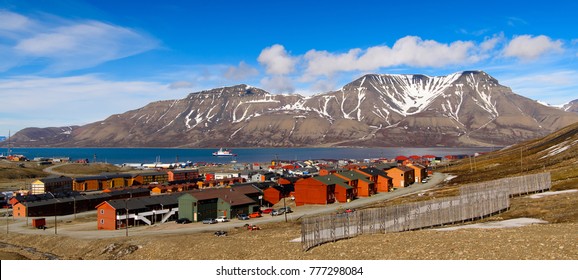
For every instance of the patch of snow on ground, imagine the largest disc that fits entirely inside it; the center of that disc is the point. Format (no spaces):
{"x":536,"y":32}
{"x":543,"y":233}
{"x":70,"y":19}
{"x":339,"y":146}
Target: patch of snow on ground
{"x":519,"y":222}
{"x":449,"y":178}
{"x":540,"y":195}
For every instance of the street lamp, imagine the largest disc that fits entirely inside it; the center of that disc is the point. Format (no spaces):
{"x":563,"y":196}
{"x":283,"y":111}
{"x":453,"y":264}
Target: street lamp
{"x":55,"y":222}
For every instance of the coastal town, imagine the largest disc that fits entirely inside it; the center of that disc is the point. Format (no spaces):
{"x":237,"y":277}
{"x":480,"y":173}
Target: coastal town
{"x":184,"y":193}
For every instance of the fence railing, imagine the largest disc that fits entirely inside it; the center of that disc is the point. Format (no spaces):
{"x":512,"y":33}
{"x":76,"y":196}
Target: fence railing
{"x":475,"y":201}
{"x":515,"y":185}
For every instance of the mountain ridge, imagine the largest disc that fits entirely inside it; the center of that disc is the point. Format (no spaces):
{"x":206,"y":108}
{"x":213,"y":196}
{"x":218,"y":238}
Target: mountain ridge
{"x":468,"y":108}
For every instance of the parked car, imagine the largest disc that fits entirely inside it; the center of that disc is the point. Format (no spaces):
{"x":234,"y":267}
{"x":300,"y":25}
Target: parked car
{"x":255,"y":215}
{"x":183,"y":221}
{"x":286,"y":209}
{"x":267,"y":211}
{"x":274,"y":213}
{"x":242,"y":217}
{"x":210,"y":221}
{"x":222,"y":219}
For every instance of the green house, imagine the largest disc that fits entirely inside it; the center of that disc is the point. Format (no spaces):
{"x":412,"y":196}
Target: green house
{"x":211,"y":203}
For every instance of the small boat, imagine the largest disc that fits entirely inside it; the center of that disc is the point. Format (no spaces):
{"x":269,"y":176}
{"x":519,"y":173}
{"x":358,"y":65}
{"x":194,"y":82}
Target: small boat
{"x":224,"y":153}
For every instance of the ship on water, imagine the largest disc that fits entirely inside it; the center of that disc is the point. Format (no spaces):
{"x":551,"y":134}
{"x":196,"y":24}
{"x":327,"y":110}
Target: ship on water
{"x":224,"y":153}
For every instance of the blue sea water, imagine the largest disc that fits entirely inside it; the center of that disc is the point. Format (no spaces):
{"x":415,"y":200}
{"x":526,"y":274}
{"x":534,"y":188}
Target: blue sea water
{"x":170,"y":155}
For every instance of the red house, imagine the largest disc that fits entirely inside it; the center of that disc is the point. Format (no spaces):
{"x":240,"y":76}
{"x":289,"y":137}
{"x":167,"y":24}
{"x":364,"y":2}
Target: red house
{"x":312,"y":191}
{"x":343,"y":191}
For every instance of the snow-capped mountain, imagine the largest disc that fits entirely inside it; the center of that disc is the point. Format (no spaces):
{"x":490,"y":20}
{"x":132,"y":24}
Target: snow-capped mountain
{"x":571,"y":106}
{"x":462,"y":109}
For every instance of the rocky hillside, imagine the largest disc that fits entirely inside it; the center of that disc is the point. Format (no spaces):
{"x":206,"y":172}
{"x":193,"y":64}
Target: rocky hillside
{"x":571,"y":106}
{"x":462,"y":109}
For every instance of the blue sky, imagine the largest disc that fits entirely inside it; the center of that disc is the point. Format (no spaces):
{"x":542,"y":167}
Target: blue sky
{"x":75,"y":62}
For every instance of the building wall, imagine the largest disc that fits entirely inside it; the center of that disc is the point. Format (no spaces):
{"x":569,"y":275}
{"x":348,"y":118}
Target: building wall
{"x":311,"y":191}
{"x":401,"y":179}
{"x":342,"y":194}
{"x":383,"y":184}
{"x":187,"y":207}
{"x":19,"y":210}
{"x":365,"y":189}
{"x":106,"y":217}
{"x":272,"y":195}
{"x":37,"y":187}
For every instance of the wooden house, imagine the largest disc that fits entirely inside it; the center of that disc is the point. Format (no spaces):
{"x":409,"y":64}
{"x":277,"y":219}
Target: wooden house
{"x":52,"y":184}
{"x":420,"y":171}
{"x":364,"y":187}
{"x":312,"y":191}
{"x":183,"y":175}
{"x":151,"y":177}
{"x":402,"y":176}
{"x":211,"y":203}
{"x":343,"y":191}
{"x":90,"y":183}
{"x":120,"y":213}
{"x":383,"y":183}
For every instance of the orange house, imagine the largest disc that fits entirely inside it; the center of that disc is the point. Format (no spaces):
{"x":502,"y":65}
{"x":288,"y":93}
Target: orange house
{"x":402,"y":176}
{"x":343,"y":191}
{"x":183,"y":175}
{"x":383,"y":183}
{"x":324,"y":172}
{"x":311,"y":191}
{"x":364,"y":187}
{"x":89,"y":183}
{"x":419,"y":170}
{"x":106,"y":216}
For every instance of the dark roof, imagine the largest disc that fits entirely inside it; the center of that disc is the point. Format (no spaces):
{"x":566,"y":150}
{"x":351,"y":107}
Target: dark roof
{"x":247,"y":189}
{"x":183,"y":171}
{"x":56,"y":179}
{"x":386,"y":165}
{"x":284,"y":189}
{"x":145,"y":203}
{"x":332,"y":180}
{"x":352,"y":175}
{"x":117,"y":175}
{"x":404,"y":168}
{"x":88,"y":178}
{"x":230,"y":195}
{"x":152,"y":173}
{"x":374,"y":171}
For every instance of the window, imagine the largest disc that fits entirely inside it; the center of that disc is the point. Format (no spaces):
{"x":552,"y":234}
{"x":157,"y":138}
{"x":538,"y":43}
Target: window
{"x":101,"y":211}
{"x":101,"y":221}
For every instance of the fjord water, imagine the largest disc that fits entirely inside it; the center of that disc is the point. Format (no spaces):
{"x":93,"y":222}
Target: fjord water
{"x":170,"y":155}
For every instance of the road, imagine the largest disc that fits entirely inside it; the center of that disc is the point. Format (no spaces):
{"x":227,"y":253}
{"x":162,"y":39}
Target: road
{"x":83,"y":225}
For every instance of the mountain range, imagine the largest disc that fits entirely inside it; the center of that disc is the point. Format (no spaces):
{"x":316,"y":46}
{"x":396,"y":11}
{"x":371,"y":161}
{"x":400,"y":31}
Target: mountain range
{"x":467,"y":108}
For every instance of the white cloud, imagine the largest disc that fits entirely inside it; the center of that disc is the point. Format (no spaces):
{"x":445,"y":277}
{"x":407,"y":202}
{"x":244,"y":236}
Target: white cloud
{"x":39,"y":101}
{"x":241,"y":72}
{"x":276,"y":60}
{"x":278,"y":84}
{"x":528,"y":47}
{"x":180,"y":84}
{"x":11,"y":22}
{"x":62,"y":45}
{"x":408,"y":51}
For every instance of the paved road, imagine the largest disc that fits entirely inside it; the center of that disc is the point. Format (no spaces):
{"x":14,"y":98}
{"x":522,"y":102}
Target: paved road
{"x":84,"y":225}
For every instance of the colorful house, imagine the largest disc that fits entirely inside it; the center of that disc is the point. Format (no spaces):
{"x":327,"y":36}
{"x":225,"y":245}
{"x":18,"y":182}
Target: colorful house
{"x":383,"y":183}
{"x":364,"y":187}
{"x":402,"y":176}
{"x":53,"y":184}
{"x":343,"y":191}
{"x":312,"y":191}
{"x":420,"y":171}
{"x":183,"y":175}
